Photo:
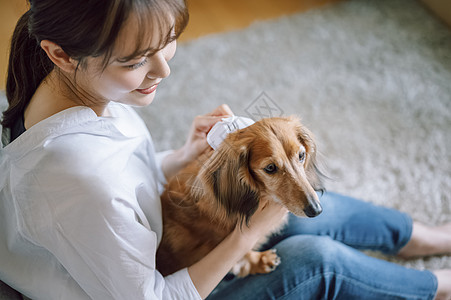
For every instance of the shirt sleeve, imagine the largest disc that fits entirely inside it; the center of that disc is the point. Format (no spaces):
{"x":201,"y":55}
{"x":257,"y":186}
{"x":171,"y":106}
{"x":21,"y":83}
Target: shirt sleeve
{"x":93,"y":229}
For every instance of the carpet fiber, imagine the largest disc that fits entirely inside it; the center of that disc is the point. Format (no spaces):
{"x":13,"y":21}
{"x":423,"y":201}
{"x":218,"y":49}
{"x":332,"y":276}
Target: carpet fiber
{"x":371,"y":79}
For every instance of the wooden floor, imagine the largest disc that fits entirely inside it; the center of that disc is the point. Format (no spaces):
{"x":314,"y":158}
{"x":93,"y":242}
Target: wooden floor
{"x":206,"y":17}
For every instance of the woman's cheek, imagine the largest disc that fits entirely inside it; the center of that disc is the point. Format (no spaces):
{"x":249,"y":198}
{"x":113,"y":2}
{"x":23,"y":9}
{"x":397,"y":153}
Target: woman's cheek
{"x":127,"y":81}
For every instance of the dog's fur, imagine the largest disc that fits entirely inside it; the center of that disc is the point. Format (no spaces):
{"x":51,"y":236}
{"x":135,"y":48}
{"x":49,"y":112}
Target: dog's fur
{"x":205,"y":201}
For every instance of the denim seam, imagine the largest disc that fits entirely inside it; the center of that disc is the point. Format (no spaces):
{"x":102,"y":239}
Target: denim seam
{"x":356,"y":282}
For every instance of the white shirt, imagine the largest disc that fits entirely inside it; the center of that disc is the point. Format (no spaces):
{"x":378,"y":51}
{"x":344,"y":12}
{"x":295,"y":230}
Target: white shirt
{"x":80,"y":212}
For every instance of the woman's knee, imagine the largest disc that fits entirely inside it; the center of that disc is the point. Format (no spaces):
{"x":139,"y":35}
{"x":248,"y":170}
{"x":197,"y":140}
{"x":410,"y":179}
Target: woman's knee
{"x":318,"y":254}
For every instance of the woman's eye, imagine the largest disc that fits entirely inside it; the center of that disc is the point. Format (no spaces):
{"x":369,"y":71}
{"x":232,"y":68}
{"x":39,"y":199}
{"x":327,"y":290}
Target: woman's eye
{"x":301,"y":156}
{"x":138,"y":65}
{"x":271,"y":169}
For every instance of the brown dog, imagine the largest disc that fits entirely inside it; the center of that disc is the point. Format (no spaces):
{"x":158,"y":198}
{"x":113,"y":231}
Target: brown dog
{"x":271,"y":160}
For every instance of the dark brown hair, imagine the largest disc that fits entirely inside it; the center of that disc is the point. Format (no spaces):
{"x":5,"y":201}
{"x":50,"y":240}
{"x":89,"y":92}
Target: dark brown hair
{"x":82,"y":29}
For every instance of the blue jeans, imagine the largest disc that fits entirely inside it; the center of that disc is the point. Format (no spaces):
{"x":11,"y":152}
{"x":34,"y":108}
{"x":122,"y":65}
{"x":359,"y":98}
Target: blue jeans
{"x":321,"y":260}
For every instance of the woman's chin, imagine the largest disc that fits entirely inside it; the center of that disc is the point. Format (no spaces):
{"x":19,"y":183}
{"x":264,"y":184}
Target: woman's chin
{"x":138,"y":99}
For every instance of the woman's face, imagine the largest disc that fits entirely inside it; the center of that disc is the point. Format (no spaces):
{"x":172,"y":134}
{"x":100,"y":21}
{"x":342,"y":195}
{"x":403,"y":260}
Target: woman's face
{"x":133,"y":82}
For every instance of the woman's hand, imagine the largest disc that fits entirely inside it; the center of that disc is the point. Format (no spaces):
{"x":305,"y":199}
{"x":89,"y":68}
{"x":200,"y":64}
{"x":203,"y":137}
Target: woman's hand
{"x":263,"y":220}
{"x":196,"y":143}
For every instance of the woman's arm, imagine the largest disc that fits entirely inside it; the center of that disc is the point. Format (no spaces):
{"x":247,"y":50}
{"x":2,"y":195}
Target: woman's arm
{"x":210,"y":270}
{"x":196,"y":143}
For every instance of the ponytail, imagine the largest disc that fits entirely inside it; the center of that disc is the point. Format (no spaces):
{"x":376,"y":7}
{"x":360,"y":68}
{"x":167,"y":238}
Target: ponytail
{"x":28,"y":66}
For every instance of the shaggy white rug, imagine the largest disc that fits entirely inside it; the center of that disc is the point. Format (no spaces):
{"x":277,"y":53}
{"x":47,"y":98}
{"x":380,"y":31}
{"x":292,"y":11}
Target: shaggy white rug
{"x":371,"y":79}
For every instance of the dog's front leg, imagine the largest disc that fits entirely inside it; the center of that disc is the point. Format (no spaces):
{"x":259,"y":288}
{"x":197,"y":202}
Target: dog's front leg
{"x":255,"y":262}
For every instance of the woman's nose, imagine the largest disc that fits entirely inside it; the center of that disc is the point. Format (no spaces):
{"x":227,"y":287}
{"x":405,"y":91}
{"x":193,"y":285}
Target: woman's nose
{"x":159,"y":67}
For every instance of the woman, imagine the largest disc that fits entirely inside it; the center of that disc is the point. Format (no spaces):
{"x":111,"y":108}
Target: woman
{"x":80,"y":181}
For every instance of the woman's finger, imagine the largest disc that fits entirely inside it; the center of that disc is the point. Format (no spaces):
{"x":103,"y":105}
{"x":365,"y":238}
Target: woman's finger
{"x":205,"y":123}
{"x":221,"y":110}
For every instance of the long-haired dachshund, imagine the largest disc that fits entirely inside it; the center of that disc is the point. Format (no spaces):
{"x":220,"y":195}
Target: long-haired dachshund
{"x":271,"y":160}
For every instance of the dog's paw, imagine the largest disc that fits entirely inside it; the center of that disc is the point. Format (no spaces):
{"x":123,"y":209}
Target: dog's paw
{"x":257,"y":263}
{"x":268,"y":262}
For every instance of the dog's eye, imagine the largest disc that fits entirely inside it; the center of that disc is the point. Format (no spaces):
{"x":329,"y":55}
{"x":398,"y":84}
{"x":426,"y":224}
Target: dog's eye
{"x":271,"y":169}
{"x":301,"y":156}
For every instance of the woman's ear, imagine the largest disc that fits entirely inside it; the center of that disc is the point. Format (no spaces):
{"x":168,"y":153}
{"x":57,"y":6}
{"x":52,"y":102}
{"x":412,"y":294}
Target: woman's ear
{"x":57,"y":55}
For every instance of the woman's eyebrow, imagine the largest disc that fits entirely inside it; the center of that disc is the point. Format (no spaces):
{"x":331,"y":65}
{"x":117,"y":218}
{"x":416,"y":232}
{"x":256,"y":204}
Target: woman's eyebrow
{"x":136,"y":55}
{"x":145,"y":52}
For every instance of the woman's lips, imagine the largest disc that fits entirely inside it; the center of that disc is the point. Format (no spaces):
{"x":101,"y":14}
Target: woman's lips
{"x":148,"y":90}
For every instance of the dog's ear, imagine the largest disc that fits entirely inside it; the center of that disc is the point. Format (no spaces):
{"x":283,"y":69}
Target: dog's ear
{"x":314,"y":174}
{"x":228,"y":175}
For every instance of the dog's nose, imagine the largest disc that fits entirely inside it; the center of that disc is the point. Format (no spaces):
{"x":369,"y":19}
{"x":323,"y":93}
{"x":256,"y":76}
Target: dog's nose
{"x":313,"y":209}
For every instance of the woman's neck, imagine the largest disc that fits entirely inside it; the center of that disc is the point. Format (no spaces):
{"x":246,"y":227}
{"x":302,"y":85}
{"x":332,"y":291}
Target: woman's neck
{"x":57,"y":93}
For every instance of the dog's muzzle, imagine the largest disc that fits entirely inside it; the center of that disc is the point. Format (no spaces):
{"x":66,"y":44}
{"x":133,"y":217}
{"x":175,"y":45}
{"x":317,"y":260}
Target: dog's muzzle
{"x":313,"y":209}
